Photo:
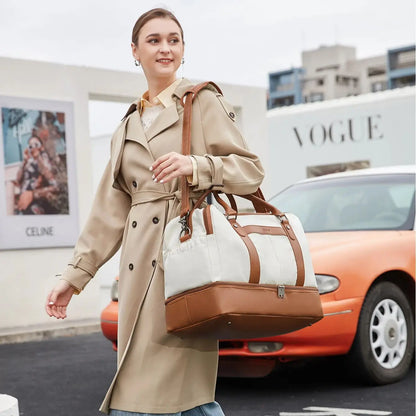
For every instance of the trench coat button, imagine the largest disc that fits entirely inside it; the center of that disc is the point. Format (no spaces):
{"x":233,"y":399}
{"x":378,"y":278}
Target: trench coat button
{"x":231,"y":114}
{"x":131,"y":266}
{"x":155,"y":220}
{"x":153,"y":263}
{"x":134,"y":224}
{"x":134,"y":184}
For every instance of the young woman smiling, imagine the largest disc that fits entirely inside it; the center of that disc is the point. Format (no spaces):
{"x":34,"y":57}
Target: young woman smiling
{"x":158,"y":373}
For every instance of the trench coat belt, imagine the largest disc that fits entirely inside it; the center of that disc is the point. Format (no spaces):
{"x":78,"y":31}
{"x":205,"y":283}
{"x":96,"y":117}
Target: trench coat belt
{"x":143,"y":197}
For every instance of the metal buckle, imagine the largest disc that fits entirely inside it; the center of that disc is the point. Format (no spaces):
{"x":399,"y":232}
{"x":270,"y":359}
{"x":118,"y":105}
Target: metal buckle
{"x":282,"y":218}
{"x":184,"y":224}
{"x":281,"y":291}
{"x":284,"y":221}
{"x":231,"y":217}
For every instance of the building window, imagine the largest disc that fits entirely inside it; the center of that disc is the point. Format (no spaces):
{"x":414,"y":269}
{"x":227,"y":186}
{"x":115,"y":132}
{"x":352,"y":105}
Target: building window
{"x":406,"y":59}
{"x":284,"y":83}
{"x":329,"y":67}
{"x":374,"y":71}
{"x":378,"y":86}
{"x":283,"y":101}
{"x":403,"y":81}
{"x":285,"y":79}
{"x":316,"y":96}
{"x":320,"y":81}
{"x":346,"y":81}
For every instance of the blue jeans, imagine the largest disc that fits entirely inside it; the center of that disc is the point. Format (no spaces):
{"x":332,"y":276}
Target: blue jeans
{"x":208,"y":409}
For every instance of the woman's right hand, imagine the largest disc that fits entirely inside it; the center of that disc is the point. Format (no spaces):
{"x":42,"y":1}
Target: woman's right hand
{"x":58,"y":299}
{"x":25,"y":199}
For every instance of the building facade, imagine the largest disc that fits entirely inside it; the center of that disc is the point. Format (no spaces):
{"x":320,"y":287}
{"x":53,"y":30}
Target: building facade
{"x":331,"y":72}
{"x":369,"y":130}
{"x":29,"y":273}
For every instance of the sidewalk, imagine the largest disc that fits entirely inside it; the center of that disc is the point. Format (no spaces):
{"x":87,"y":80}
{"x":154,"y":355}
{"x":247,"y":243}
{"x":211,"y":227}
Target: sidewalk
{"x":48,"y":331}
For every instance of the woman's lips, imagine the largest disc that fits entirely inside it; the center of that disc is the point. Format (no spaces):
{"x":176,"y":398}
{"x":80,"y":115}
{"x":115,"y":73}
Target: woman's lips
{"x":164,"y":61}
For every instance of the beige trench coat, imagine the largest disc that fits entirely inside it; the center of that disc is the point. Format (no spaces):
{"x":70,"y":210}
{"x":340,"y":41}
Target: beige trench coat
{"x":158,"y":372}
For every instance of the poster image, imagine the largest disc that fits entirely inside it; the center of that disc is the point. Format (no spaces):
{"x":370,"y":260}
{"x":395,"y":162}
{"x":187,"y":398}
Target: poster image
{"x":37,"y":174}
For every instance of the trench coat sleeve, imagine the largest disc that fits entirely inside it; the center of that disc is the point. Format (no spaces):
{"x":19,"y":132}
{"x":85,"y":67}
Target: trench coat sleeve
{"x":228,"y":165}
{"x":102,"y":234}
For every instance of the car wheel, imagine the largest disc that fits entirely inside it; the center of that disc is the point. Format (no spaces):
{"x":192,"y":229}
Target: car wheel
{"x":383,"y":348}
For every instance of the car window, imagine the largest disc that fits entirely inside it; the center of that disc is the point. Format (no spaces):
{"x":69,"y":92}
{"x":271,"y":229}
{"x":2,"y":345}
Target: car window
{"x":375,"y":202}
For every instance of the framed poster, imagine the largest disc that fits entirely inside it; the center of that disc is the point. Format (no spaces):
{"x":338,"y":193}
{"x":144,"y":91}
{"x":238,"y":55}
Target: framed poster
{"x":38,"y":200}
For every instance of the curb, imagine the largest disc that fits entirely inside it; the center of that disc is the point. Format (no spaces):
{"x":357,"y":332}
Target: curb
{"x":8,"y":405}
{"x":41,"y":333}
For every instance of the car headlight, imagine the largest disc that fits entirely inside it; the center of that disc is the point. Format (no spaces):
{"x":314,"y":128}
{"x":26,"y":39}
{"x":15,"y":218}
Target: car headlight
{"x":326,"y":283}
{"x":114,"y":291}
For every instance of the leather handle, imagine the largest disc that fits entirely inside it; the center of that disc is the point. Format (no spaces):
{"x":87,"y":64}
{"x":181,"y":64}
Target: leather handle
{"x":259,"y":207}
{"x":259,"y":204}
{"x":228,"y":210}
{"x":186,"y":101}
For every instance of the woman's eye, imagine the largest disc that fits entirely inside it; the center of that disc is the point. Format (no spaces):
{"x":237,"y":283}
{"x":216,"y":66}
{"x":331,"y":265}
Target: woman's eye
{"x":174,"y":40}
{"x":152,"y":40}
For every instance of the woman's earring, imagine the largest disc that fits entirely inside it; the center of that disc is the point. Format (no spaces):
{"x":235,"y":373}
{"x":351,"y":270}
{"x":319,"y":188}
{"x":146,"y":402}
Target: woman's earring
{"x":136,"y":62}
{"x":182,"y":62}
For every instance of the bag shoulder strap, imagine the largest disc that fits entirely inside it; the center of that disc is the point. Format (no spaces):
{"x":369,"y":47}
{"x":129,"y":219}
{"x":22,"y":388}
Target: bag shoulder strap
{"x":186,"y":101}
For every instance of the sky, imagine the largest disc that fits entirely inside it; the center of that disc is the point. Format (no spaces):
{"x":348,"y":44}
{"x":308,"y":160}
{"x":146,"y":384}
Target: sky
{"x":230,"y":41}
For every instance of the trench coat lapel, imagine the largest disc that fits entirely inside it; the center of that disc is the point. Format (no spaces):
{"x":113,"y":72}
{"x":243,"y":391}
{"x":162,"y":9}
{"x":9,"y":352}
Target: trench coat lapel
{"x":170,"y":115}
{"x":164,"y":120}
{"x":131,"y":128}
{"x":117,"y":143}
{"x":134,"y":130}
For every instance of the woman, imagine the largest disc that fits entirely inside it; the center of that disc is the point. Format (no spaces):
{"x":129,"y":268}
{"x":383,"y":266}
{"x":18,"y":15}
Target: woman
{"x":36,"y":181}
{"x":158,"y":373}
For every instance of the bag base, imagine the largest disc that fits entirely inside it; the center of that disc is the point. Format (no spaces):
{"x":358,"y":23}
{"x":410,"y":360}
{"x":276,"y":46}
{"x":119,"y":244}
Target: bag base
{"x":242,"y":310}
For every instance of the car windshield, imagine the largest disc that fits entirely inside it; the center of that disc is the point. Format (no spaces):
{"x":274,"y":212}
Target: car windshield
{"x":376,"y":202}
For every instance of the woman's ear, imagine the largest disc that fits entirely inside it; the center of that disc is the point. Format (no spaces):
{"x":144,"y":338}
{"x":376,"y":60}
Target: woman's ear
{"x":134,"y":51}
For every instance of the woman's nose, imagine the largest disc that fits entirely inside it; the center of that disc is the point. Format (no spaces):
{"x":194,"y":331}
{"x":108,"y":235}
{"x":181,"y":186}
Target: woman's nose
{"x":164,"y":47}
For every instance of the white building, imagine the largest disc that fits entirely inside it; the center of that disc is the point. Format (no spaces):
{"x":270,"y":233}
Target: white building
{"x":370,"y":130}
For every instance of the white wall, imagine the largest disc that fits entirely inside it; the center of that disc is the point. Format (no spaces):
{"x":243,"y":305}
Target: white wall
{"x":383,"y":132}
{"x":25,"y":275}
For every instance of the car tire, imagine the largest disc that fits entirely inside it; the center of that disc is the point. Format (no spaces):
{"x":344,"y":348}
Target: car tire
{"x":383,"y":347}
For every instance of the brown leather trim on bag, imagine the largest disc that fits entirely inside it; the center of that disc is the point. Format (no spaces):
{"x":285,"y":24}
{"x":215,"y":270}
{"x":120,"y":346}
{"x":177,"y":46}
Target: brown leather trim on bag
{"x":252,"y":252}
{"x":208,"y":220}
{"x":228,"y":210}
{"x":297,"y":251}
{"x":258,"y":206}
{"x":242,"y":310}
{"x":261,"y":229}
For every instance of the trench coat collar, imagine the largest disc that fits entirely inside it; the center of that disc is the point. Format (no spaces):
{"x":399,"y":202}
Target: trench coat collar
{"x":168,"y":117}
{"x":132,"y":128}
{"x":170,"y":114}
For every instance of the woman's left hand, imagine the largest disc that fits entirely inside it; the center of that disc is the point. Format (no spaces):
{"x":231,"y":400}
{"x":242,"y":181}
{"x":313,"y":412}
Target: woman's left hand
{"x":170,"y":166}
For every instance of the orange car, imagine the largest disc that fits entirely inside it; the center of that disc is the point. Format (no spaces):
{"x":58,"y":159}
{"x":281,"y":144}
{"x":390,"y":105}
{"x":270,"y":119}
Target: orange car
{"x":360,"y":228}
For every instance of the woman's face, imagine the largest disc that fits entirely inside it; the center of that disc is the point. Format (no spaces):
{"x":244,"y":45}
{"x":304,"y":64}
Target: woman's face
{"x":159,"y":49}
{"x":34,"y":146}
